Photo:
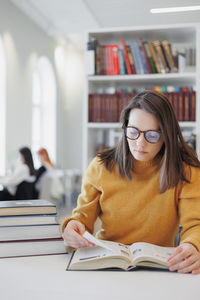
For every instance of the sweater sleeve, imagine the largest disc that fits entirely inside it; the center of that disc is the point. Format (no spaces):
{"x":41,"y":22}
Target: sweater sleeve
{"x":189,"y":210}
{"x":88,"y":207}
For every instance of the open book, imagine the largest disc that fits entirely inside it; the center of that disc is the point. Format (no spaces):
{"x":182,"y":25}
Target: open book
{"x":107,"y":254}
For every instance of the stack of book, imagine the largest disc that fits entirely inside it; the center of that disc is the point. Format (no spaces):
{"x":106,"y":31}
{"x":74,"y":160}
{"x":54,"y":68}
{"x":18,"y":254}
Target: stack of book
{"x":29,"y":228}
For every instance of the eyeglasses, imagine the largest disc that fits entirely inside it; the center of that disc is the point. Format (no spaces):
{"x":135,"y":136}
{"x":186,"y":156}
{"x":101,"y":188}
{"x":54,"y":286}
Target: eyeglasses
{"x":133,"y":133}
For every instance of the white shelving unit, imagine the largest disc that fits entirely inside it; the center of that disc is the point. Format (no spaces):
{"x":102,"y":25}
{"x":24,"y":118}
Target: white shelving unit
{"x":180,"y":35}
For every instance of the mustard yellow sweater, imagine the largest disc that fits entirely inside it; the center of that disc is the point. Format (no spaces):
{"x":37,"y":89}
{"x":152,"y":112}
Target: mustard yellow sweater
{"x":135,"y":211}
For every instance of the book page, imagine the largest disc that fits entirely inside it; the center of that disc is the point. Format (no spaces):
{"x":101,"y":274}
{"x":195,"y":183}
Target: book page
{"x":110,"y":248}
{"x":150,"y":251}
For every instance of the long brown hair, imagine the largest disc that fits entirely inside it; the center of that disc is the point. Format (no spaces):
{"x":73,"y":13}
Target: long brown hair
{"x":175,"y":151}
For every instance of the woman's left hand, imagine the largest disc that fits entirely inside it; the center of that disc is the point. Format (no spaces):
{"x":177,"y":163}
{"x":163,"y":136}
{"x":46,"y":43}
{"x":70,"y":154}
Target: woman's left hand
{"x":185,"y":259}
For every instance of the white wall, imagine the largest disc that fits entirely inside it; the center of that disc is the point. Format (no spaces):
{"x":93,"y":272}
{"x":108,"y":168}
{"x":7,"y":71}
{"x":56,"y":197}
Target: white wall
{"x":24,"y":42}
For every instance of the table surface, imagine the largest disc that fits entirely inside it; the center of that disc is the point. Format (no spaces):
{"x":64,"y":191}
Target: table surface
{"x":45,"y":277}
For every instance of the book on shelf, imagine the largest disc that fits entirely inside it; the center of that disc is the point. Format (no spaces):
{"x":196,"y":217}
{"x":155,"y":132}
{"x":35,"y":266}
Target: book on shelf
{"x":131,"y":61}
{"x":115,"y":59}
{"x":32,"y":248}
{"x":147,"y":56}
{"x":28,"y":220}
{"x":193,"y":106}
{"x":122,"y":66}
{"x":128,"y":66}
{"x":142,"y":53}
{"x":169,"y":56}
{"x":112,"y":255}
{"x":90,"y":57}
{"x":26,"y":207}
{"x":156,"y":68}
{"x":161,"y":56}
{"x":136,"y":57}
{"x":29,"y":232}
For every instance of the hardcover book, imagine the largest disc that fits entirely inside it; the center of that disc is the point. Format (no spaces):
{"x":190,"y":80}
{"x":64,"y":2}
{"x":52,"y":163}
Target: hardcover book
{"x":111,"y":255}
{"x":33,"y":232}
{"x":28,"y":220}
{"x":26,"y":207}
{"x":32,"y":248}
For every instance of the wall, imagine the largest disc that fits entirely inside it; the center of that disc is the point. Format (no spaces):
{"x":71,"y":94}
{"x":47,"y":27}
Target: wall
{"x":24,"y":42}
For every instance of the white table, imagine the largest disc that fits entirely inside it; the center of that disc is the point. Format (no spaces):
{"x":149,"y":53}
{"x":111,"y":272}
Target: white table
{"x":45,"y":278}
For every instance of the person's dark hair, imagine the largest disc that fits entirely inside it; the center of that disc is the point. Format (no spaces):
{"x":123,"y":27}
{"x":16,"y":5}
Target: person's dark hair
{"x":28,"y":159}
{"x":175,"y":151}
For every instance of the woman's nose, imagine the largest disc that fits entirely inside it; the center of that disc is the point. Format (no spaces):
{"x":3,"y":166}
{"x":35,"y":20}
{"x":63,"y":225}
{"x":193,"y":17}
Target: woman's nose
{"x":141,"y":140}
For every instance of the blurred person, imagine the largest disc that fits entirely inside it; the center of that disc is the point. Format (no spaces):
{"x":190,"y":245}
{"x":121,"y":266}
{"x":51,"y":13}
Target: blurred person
{"x":24,"y":172}
{"x":46,"y":165}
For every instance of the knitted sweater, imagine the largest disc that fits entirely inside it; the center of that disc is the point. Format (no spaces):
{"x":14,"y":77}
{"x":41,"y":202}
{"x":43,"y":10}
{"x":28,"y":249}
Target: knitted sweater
{"x":135,"y":211}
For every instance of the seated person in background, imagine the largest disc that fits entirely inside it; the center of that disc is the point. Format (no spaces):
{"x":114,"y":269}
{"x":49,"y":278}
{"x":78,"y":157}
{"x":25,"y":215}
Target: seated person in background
{"x":143,"y":188}
{"x":23,"y":173}
{"x":46,"y":165}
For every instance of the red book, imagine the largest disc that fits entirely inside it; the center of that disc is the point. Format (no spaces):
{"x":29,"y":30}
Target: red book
{"x":115,"y":58}
{"x":128,"y":67}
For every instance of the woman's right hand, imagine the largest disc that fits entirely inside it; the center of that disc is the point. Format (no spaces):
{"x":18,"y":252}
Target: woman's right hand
{"x":72,"y":235}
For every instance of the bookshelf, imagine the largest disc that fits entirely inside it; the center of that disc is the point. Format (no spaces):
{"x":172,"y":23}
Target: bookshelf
{"x":179,"y":35}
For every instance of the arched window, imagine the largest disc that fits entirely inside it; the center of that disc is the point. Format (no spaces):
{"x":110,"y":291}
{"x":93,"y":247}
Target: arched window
{"x":44,"y":108}
{"x":2,"y":108}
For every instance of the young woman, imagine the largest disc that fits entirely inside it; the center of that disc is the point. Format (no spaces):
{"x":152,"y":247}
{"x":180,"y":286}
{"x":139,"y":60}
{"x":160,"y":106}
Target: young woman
{"x":24,"y":172}
{"x":145,"y":187}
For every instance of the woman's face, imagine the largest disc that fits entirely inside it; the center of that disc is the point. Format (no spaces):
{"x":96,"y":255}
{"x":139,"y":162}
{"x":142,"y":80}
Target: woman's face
{"x":140,"y":148}
{"x":21,"y":158}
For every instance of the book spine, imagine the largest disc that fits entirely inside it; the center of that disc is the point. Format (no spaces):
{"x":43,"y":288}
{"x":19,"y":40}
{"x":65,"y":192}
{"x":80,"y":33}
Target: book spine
{"x":169,"y":56}
{"x":90,"y":58}
{"x":136,"y":58}
{"x":180,"y":106}
{"x":154,"y":57}
{"x":115,"y":59}
{"x":98,"y":60}
{"x":131,"y":61}
{"x":139,"y":58}
{"x":128,"y":67}
{"x":91,"y":108}
{"x":146,"y":56}
{"x":104,"y":61}
{"x":186,"y":103}
{"x":193,"y":106}
{"x":149,"y":55}
{"x":146,"y":67}
{"x":159,"y":50}
{"x":122,"y":66}
{"x":108,"y":60}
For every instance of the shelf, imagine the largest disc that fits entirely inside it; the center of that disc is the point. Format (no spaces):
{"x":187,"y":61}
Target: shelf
{"x":180,"y":78}
{"x":104,"y":125}
{"x":110,"y":125}
{"x":181,"y":36}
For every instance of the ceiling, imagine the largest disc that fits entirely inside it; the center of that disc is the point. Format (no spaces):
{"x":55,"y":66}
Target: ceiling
{"x":72,"y":17}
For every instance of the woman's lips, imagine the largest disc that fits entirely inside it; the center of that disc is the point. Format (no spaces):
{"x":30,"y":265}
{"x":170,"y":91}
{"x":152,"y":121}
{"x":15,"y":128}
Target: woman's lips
{"x":140,"y":152}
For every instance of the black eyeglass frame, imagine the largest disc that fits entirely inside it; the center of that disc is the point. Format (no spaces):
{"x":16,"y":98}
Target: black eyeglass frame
{"x":139,"y":133}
